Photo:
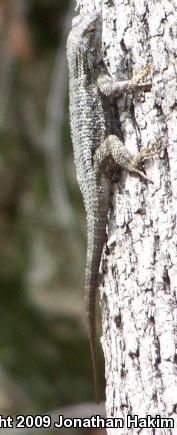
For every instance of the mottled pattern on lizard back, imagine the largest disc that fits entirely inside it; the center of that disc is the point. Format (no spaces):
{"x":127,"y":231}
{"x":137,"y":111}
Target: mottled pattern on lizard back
{"x":87,"y":116}
{"x":98,"y":148}
{"x":88,"y":129}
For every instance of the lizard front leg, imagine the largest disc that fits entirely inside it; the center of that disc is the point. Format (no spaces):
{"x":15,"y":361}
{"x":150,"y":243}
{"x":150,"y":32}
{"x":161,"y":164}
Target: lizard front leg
{"x":112,"y":88}
{"x":112,"y":145}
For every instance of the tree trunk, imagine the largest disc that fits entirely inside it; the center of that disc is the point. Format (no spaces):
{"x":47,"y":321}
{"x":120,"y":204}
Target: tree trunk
{"x":138,"y":293}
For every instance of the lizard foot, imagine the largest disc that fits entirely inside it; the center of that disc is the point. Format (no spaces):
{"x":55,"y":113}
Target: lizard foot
{"x":113,"y":150}
{"x":148,"y":152}
{"x":143,"y":73}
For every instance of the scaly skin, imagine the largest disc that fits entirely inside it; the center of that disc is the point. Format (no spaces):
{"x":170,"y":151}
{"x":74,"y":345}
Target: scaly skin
{"x":88,"y":128}
{"x":91,"y":125}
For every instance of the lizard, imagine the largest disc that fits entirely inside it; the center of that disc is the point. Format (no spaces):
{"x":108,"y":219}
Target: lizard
{"x":98,"y":151}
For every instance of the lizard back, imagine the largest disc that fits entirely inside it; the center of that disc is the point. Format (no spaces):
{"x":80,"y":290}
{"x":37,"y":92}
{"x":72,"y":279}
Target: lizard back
{"x":88,"y":129}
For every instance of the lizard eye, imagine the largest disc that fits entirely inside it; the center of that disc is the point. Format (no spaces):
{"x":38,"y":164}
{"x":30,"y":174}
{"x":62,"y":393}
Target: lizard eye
{"x":89,"y":31}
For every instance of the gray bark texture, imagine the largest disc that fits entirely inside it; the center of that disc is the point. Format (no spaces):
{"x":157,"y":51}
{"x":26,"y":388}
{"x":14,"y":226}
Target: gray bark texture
{"x":139,"y":287}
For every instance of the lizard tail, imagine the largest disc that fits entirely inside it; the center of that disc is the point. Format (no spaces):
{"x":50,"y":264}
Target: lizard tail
{"x":96,"y":240}
{"x":91,"y":319}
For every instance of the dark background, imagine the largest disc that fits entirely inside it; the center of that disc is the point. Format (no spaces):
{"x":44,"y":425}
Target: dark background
{"x":44,"y":351}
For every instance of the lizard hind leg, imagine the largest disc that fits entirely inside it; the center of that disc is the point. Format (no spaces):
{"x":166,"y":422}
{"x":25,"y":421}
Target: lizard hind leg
{"x":112,"y":147}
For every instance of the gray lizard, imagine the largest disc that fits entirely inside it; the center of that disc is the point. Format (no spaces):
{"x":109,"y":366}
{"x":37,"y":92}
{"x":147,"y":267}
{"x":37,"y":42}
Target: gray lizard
{"x":97,"y":150}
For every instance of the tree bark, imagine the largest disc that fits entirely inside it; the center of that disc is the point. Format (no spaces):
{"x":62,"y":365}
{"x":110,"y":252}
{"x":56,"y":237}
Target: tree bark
{"x":139,"y":290}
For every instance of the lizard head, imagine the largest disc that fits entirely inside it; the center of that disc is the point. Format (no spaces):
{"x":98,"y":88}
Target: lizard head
{"x":91,"y":34}
{"x":85,"y":38}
